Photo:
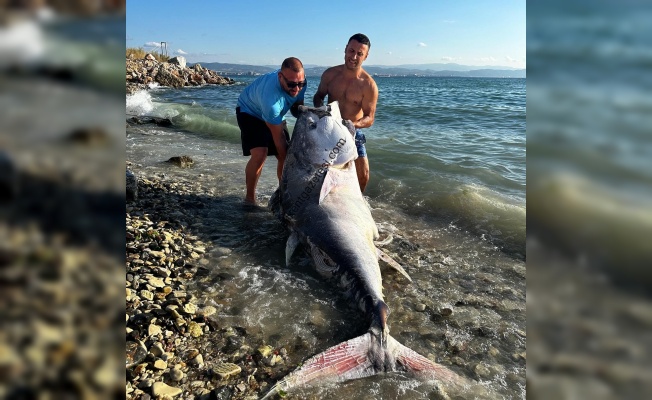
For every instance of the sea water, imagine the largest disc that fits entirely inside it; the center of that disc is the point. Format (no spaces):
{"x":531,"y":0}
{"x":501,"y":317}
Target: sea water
{"x":451,"y":150}
{"x":447,"y":160}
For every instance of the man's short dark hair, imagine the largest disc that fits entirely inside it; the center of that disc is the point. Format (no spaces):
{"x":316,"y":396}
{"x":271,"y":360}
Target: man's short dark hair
{"x":359,"y":37}
{"x":292,"y":63}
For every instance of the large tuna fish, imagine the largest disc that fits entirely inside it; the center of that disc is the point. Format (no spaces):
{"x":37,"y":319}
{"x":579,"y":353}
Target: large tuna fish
{"x":320,"y":201}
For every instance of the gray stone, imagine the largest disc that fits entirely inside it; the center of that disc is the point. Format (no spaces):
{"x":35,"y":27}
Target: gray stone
{"x":136,"y":352}
{"x":181,"y":161}
{"x":156,"y":350}
{"x":176,"y":374}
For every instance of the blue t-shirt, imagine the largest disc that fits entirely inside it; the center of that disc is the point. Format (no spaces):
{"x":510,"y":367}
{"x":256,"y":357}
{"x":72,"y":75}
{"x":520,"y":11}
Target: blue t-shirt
{"x":264,"y":98}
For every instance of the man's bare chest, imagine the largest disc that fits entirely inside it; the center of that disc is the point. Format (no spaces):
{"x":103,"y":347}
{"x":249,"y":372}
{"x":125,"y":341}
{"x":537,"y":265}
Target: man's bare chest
{"x":346,"y":91}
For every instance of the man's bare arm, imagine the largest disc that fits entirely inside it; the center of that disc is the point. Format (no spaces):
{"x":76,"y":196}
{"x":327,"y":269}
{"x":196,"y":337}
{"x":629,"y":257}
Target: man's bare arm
{"x":279,"y":138}
{"x":318,"y":99}
{"x":322,"y":90}
{"x":368,"y":107}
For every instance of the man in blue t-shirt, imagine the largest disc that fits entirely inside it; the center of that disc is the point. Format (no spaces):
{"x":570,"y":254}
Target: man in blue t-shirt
{"x":260,"y":111}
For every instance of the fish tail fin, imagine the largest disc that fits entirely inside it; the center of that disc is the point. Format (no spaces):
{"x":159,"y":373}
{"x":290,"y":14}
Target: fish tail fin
{"x":421,"y":367}
{"x":345,"y":361}
{"x":361,"y":357}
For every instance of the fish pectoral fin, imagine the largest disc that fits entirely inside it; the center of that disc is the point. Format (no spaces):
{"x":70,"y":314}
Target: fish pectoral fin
{"x":345,"y":361}
{"x":330,"y":181}
{"x":421,"y":367}
{"x":385,"y":241}
{"x":291,"y":246}
{"x":390,"y":261}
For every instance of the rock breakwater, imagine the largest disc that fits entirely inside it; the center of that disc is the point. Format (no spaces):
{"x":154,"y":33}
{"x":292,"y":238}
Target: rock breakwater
{"x":174,"y":73}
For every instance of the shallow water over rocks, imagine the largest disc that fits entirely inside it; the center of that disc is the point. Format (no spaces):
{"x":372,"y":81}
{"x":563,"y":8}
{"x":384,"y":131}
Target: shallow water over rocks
{"x":465,"y":308}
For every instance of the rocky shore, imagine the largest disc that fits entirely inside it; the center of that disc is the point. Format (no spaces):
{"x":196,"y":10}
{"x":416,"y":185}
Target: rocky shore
{"x":175,"y":347}
{"x":173,"y":73}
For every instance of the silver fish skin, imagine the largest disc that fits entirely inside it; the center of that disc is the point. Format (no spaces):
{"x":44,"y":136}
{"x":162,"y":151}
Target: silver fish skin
{"x":320,"y":201}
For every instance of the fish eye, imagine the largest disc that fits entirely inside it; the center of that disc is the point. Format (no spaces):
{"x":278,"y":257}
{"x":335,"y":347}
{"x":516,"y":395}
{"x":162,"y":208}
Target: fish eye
{"x":312,"y":125}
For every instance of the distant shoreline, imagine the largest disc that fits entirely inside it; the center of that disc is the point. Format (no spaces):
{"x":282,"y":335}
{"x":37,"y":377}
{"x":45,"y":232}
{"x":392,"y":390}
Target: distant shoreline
{"x":375,"y":70}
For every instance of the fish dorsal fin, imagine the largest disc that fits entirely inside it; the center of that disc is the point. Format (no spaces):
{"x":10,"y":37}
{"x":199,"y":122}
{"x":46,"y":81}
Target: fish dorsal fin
{"x":330,"y":181}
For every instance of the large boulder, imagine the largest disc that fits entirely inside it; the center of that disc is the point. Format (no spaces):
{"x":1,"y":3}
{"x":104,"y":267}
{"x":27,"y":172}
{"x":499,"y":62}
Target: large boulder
{"x":169,"y":78}
{"x":178,"y":60}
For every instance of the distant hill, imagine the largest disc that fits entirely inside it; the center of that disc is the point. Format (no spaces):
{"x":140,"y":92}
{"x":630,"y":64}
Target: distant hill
{"x":448,"y":69}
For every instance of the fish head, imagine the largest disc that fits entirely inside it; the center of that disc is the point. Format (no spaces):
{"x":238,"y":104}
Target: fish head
{"x":322,"y":138}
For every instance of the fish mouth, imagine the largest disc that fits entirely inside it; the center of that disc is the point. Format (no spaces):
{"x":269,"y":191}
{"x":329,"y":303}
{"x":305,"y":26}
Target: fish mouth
{"x":320,"y":112}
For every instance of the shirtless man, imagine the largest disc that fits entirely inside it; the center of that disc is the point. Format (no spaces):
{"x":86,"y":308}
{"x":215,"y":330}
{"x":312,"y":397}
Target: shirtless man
{"x":356,"y":92}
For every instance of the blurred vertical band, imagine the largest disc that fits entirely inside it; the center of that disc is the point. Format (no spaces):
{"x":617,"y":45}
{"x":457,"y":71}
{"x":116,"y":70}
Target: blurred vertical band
{"x":589,"y":199}
{"x":62,"y":196}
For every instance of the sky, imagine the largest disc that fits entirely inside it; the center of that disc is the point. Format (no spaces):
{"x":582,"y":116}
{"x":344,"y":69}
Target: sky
{"x":471,"y":32}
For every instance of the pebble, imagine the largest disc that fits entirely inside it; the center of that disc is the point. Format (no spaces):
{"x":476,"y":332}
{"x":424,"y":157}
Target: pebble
{"x":446,"y":311}
{"x":273,"y":360}
{"x":146,"y":383}
{"x":420,"y":307}
{"x":160,"y":389}
{"x":190,"y":308}
{"x":265,"y":350}
{"x":156,"y":282}
{"x":198,"y":360}
{"x":154,"y":330}
{"x":136,"y":352}
{"x":176,"y":374}
{"x":207,"y":311}
{"x":224,"y":370}
{"x":197,"y":384}
{"x":172,"y":309}
{"x":195,"y":329}
{"x":147,"y":295}
{"x":482,"y":371}
{"x":160,"y":364}
{"x":156,"y":350}
{"x":220,"y":251}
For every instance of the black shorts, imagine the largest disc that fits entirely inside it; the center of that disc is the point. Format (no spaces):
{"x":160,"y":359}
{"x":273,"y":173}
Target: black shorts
{"x":255,"y":133}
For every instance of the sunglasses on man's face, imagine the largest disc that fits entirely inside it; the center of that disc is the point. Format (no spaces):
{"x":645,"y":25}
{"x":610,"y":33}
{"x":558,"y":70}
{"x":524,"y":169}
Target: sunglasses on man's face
{"x":292,"y":85}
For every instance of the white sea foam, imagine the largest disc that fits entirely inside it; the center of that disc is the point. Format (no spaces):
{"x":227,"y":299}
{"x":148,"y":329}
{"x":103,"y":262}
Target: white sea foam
{"x":139,"y":103}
